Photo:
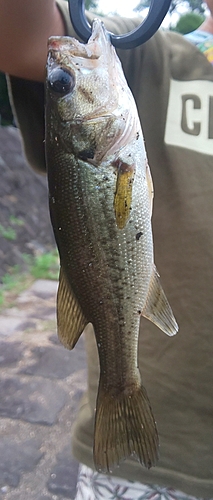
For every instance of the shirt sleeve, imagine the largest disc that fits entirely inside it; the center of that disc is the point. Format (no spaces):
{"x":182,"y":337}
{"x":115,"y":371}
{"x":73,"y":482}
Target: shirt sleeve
{"x":27,"y":99}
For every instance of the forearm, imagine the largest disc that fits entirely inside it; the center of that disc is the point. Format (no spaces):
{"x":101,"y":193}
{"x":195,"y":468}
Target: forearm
{"x":25,"y":28}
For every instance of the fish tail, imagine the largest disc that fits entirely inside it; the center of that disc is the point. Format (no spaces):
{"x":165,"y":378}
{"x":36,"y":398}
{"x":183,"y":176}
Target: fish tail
{"x":124,"y":425}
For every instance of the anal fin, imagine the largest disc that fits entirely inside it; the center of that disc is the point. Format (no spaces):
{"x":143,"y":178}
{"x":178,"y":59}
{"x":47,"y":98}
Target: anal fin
{"x":157,"y":308}
{"x":70,"y":318}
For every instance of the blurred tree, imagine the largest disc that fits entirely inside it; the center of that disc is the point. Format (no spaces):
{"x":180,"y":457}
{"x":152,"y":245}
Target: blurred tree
{"x":193,"y":5}
{"x":91,"y":4}
{"x":188,"y":22}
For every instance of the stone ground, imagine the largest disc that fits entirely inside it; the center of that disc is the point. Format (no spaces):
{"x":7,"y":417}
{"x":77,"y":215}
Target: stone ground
{"x":40,"y":385}
{"x":40,"y":381}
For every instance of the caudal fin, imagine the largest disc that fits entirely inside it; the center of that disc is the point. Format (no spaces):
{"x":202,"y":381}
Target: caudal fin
{"x":124,"y":425}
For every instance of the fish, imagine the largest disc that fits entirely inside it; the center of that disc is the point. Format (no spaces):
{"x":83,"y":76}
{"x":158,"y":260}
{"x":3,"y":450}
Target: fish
{"x":100,"y":199}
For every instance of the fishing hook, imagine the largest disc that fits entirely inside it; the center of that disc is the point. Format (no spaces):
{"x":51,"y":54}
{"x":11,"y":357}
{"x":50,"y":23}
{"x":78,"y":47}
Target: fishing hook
{"x":157,"y":11}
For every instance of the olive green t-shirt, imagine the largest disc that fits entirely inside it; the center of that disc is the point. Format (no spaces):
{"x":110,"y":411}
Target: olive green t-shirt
{"x":172,"y":83}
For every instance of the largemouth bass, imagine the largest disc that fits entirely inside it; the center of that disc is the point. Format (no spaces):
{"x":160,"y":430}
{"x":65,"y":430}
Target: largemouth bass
{"x":100,"y":196}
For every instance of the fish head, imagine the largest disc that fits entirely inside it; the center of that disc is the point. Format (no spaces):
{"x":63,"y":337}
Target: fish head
{"x":86,"y":93}
{"x":84,"y":79}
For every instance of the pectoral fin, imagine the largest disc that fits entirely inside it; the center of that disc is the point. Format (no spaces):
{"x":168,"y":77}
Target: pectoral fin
{"x":157,"y":308}
{"x":123,"y":194}
{"x":70,"y":318}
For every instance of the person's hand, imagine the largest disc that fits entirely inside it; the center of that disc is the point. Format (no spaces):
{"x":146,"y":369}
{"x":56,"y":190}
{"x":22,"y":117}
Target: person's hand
{"x":25,"y":28}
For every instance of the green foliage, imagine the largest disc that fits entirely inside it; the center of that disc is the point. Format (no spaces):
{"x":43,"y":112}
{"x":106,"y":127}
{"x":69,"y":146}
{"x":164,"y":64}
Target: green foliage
{"x":188,"y":22}
{"x":197,"y":6}
{"x":12,"y":282}
{"x":91,"y":4}
{"x":45,"y":266}
{"x":8,"y":233}
{"x":16,"y":221}
{"x":9,"y":279}
{"x":192,"y":5}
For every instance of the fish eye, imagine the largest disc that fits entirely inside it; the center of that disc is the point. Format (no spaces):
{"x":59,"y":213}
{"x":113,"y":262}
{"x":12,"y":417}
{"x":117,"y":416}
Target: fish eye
{"x":61,"y":81}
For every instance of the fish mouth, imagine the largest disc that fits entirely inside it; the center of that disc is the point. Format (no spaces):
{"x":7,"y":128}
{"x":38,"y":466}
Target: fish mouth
{"x":69,"y":47}
{"x":99,"y":34}
{"x":97,"y":45}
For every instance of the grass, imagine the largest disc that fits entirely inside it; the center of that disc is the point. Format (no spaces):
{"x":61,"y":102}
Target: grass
{"x":12,"y":284}
{"x":16,"y":221}
{"x":8,"y":232}
{"x":45,"y":266}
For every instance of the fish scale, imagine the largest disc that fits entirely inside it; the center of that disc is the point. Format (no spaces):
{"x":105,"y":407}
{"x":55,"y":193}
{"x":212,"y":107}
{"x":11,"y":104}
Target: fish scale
{"x":100,"y":205}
